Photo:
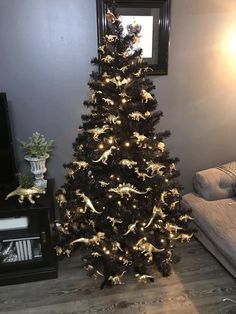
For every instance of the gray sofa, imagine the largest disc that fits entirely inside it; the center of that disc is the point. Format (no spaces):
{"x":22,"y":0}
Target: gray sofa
{"x":214,"y":210}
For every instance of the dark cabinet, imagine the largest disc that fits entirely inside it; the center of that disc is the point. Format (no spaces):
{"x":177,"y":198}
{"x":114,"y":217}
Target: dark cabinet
{"x":26,"y":246}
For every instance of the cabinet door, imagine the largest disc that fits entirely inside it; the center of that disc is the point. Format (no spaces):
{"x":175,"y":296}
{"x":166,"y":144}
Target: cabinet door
{"x":25,"y":240}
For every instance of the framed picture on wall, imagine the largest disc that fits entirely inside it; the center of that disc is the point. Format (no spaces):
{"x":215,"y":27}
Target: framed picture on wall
{"x":151,"y":19}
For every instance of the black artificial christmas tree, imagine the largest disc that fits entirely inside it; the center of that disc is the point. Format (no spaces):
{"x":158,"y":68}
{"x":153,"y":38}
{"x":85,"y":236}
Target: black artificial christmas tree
{"x":120,"y":203}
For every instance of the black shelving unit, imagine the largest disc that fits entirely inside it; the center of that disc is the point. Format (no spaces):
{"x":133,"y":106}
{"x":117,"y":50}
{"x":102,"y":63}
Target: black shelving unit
{"x":26,"y":246}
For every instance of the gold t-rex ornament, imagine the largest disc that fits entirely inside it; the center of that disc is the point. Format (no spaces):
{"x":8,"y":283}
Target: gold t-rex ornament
{"x":140,"y":137}
{"x":114,"y":221}
{"x":147,"y":248}
{"x":89,"y":241}
{"x":113,"y":119}
{"x":86,"y":200}
{"x":105,"y":155}
{"x":98,"y":131}
{"x":28,"y":194}
{"x":155,"y":168}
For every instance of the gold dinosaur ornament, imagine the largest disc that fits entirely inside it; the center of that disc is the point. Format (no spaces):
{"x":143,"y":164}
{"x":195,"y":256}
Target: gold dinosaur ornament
{"x":174,"y":192}
{"x":127,"y":189}
{"x":61,"y":199}
{"x":98,"y":131}
{"x":26,"y":193}
{"x":123,"y":95}
{"x":113,"y":119}
{"x":90,"y":241}
{"x":118,"y":82}
{"x":156,"y":211}
{"x":184,"y":237}
{"x":185,"y":218}
{"x":70,"y":173}
{"x":111,"y":18}
{"x":172,"y":228}
{"x":161,"y":146}
{"x":137,"y":116}
{"x":140,"y":137}
{"x":132,"y":228}
{"x":139,"y":60}
{"x":139,"y":73}
{"x":116,"y":246}
{"x":124,"y":68}
{"x":94,"y":99}
{"x":144,"y":278}
{"x":128,"y":163}
{"x":147,"y":248}
{"x":108,"y":101}
{"x":174,"y":204}
{"x":88,"y":203}
{"x":105,"y":155}
{"x":155,"y":168}
{"x":116,"y":280}
{"x":142,"y":174}
{"x":172,"y":167}
{"x":95,"y":254}
{"x":146,"y":96}
{"x":103,"y":184}
{"x":126,"y":53}
{"x":108,"y":59}
{"x":114,"y":221}
{"x":81,"y":164}
{"x":102,"y":49}
{"x":59,"y":250}
{"x":111,"y":38}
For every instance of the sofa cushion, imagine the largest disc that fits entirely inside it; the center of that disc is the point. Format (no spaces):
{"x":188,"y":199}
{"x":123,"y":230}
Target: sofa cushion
{"x":213,"y":184}
{"x":217,"y":221}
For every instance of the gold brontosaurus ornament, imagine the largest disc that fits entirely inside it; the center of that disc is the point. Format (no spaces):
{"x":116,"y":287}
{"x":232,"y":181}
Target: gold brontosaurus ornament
{"x":127,"y":189}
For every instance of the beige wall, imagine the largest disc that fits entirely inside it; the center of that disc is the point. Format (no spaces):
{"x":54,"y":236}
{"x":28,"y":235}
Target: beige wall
{"x":198,"y":97}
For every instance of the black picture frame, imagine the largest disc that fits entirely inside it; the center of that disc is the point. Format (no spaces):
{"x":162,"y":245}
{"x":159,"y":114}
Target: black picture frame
{"x":161,"y":28}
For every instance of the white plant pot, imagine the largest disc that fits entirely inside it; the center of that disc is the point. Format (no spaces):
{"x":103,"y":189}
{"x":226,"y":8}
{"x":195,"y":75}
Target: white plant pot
{"x":38,"y":169}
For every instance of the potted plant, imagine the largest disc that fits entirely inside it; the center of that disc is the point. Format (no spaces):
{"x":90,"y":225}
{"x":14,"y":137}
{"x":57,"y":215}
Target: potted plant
{"x":36,"y":152}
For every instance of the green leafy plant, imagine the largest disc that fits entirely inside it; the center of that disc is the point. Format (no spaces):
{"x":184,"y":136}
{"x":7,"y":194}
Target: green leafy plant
{"x":26,"y":180}
{"x":37,"y":146}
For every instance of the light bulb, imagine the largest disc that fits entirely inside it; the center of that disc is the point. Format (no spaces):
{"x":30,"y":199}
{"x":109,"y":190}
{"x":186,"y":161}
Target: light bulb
{"x":100,"y":146}
{"x":127,"y":144}
{"x":123,"y":100}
